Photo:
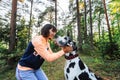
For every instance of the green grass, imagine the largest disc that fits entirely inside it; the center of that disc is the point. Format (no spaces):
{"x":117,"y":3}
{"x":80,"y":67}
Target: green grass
{"x":55,"y":70}
{"x":105,"y":68}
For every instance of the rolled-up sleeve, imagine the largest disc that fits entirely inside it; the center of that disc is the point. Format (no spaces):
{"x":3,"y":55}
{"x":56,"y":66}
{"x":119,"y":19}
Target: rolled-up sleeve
{"x":44,"y":52}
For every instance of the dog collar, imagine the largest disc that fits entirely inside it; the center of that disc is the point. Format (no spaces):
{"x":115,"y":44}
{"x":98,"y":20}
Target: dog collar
{"x":71,"y":57}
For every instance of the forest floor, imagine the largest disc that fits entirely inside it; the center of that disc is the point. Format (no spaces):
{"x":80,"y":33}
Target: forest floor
{"x":55,"y":70}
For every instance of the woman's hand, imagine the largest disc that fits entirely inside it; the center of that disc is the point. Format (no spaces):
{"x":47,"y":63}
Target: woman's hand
{"x":67,"y":49}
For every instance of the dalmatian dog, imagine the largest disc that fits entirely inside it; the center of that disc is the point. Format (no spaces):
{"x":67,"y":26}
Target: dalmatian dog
{"x":75,"y":68}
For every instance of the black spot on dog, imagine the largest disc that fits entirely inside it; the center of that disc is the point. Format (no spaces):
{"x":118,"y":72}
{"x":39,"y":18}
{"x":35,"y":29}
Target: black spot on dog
{"x":69,"y":41}
{"x":65,"y":38}
{"x":68,"y":70}
{"x":84,"y":76}
{"x":75,"y":78}
{"x":71,"y":65}
{"x":66,"y":76}
{"x":81,"y":65}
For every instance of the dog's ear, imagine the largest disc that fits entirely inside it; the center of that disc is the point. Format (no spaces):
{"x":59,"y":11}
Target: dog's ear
{"x":65,"y":38}
{"x":68,"y":40}
{"x":74,"y":46}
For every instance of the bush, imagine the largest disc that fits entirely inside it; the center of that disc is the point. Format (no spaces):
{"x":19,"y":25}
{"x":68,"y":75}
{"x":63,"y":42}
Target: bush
{"x":111,"y":50}
{"x":89,"y":51}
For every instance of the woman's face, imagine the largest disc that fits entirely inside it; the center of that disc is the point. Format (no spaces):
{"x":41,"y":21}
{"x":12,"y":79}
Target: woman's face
{"x":52,"y":34}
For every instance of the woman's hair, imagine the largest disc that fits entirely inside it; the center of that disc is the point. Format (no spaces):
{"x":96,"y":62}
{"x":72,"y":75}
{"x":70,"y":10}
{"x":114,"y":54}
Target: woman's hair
{"x":45,"y":30}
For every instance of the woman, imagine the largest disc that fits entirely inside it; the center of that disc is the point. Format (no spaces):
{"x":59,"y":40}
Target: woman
{"x":37,"y":51}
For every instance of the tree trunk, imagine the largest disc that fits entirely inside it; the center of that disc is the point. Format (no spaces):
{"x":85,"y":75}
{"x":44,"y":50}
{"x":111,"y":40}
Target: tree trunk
{"x":30,"y":23}
{"x":91,"y":32}
{"x":55,"y":13}
{"x":99,"y":22}
{"x":118,"y":23}
{"x":13,"y":26}
{"x":85,"y":23}
{"x":108,"y":25}
{"x":79,"y":27}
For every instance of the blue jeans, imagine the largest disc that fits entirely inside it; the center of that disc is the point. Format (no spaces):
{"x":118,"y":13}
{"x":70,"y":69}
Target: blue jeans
{"x":30,"y":74}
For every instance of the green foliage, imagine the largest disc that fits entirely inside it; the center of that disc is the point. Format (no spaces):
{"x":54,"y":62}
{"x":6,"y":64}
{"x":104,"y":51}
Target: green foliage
{"x":7,"y":58}
{"x":2,"y":48}
{"x":21,"y":42}
{"x":22,"y":35}
{"x":61,"y":32}
{"x":110,"y":50}
{"x":54,"y":47}
{"x":86,"y":49}
{"x":7,"y":74}
{"x":4,"y":33}
{"x":107,"y":51}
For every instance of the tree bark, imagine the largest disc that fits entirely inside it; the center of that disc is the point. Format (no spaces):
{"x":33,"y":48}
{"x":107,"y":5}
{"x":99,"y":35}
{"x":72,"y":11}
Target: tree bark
{"x":13,"y":26}
{"x":30,"y":23}
{"x":79,"y":27}
{"x":91,"y":29}
{"x":118,"y":23}
{"x":56,"y":13}
{"x":85,"y":23}
{"x":108,"y":25}
{"x":99,"y":22}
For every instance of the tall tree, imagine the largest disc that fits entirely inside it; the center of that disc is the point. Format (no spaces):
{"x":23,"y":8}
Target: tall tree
{"x":13,"y":26}
{"x":108,"y":25}
{"x":30,"y":23}
{"x":79,"y":26}
{"x":98,"y":15}
{"x":55,"y":12}
{"x":99,"y":22}
{"x":91,"y":27}
{"x":85,"y":22}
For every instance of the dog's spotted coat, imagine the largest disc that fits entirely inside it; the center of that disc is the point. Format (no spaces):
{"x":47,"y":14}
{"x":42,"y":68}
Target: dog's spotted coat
{"x":74,"y":68}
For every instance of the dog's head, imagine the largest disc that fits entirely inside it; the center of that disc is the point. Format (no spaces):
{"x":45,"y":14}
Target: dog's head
{"x":65,"y":41}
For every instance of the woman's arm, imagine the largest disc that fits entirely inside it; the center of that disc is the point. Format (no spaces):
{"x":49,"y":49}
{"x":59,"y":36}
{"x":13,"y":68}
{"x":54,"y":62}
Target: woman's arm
{"x":45,"y":53}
